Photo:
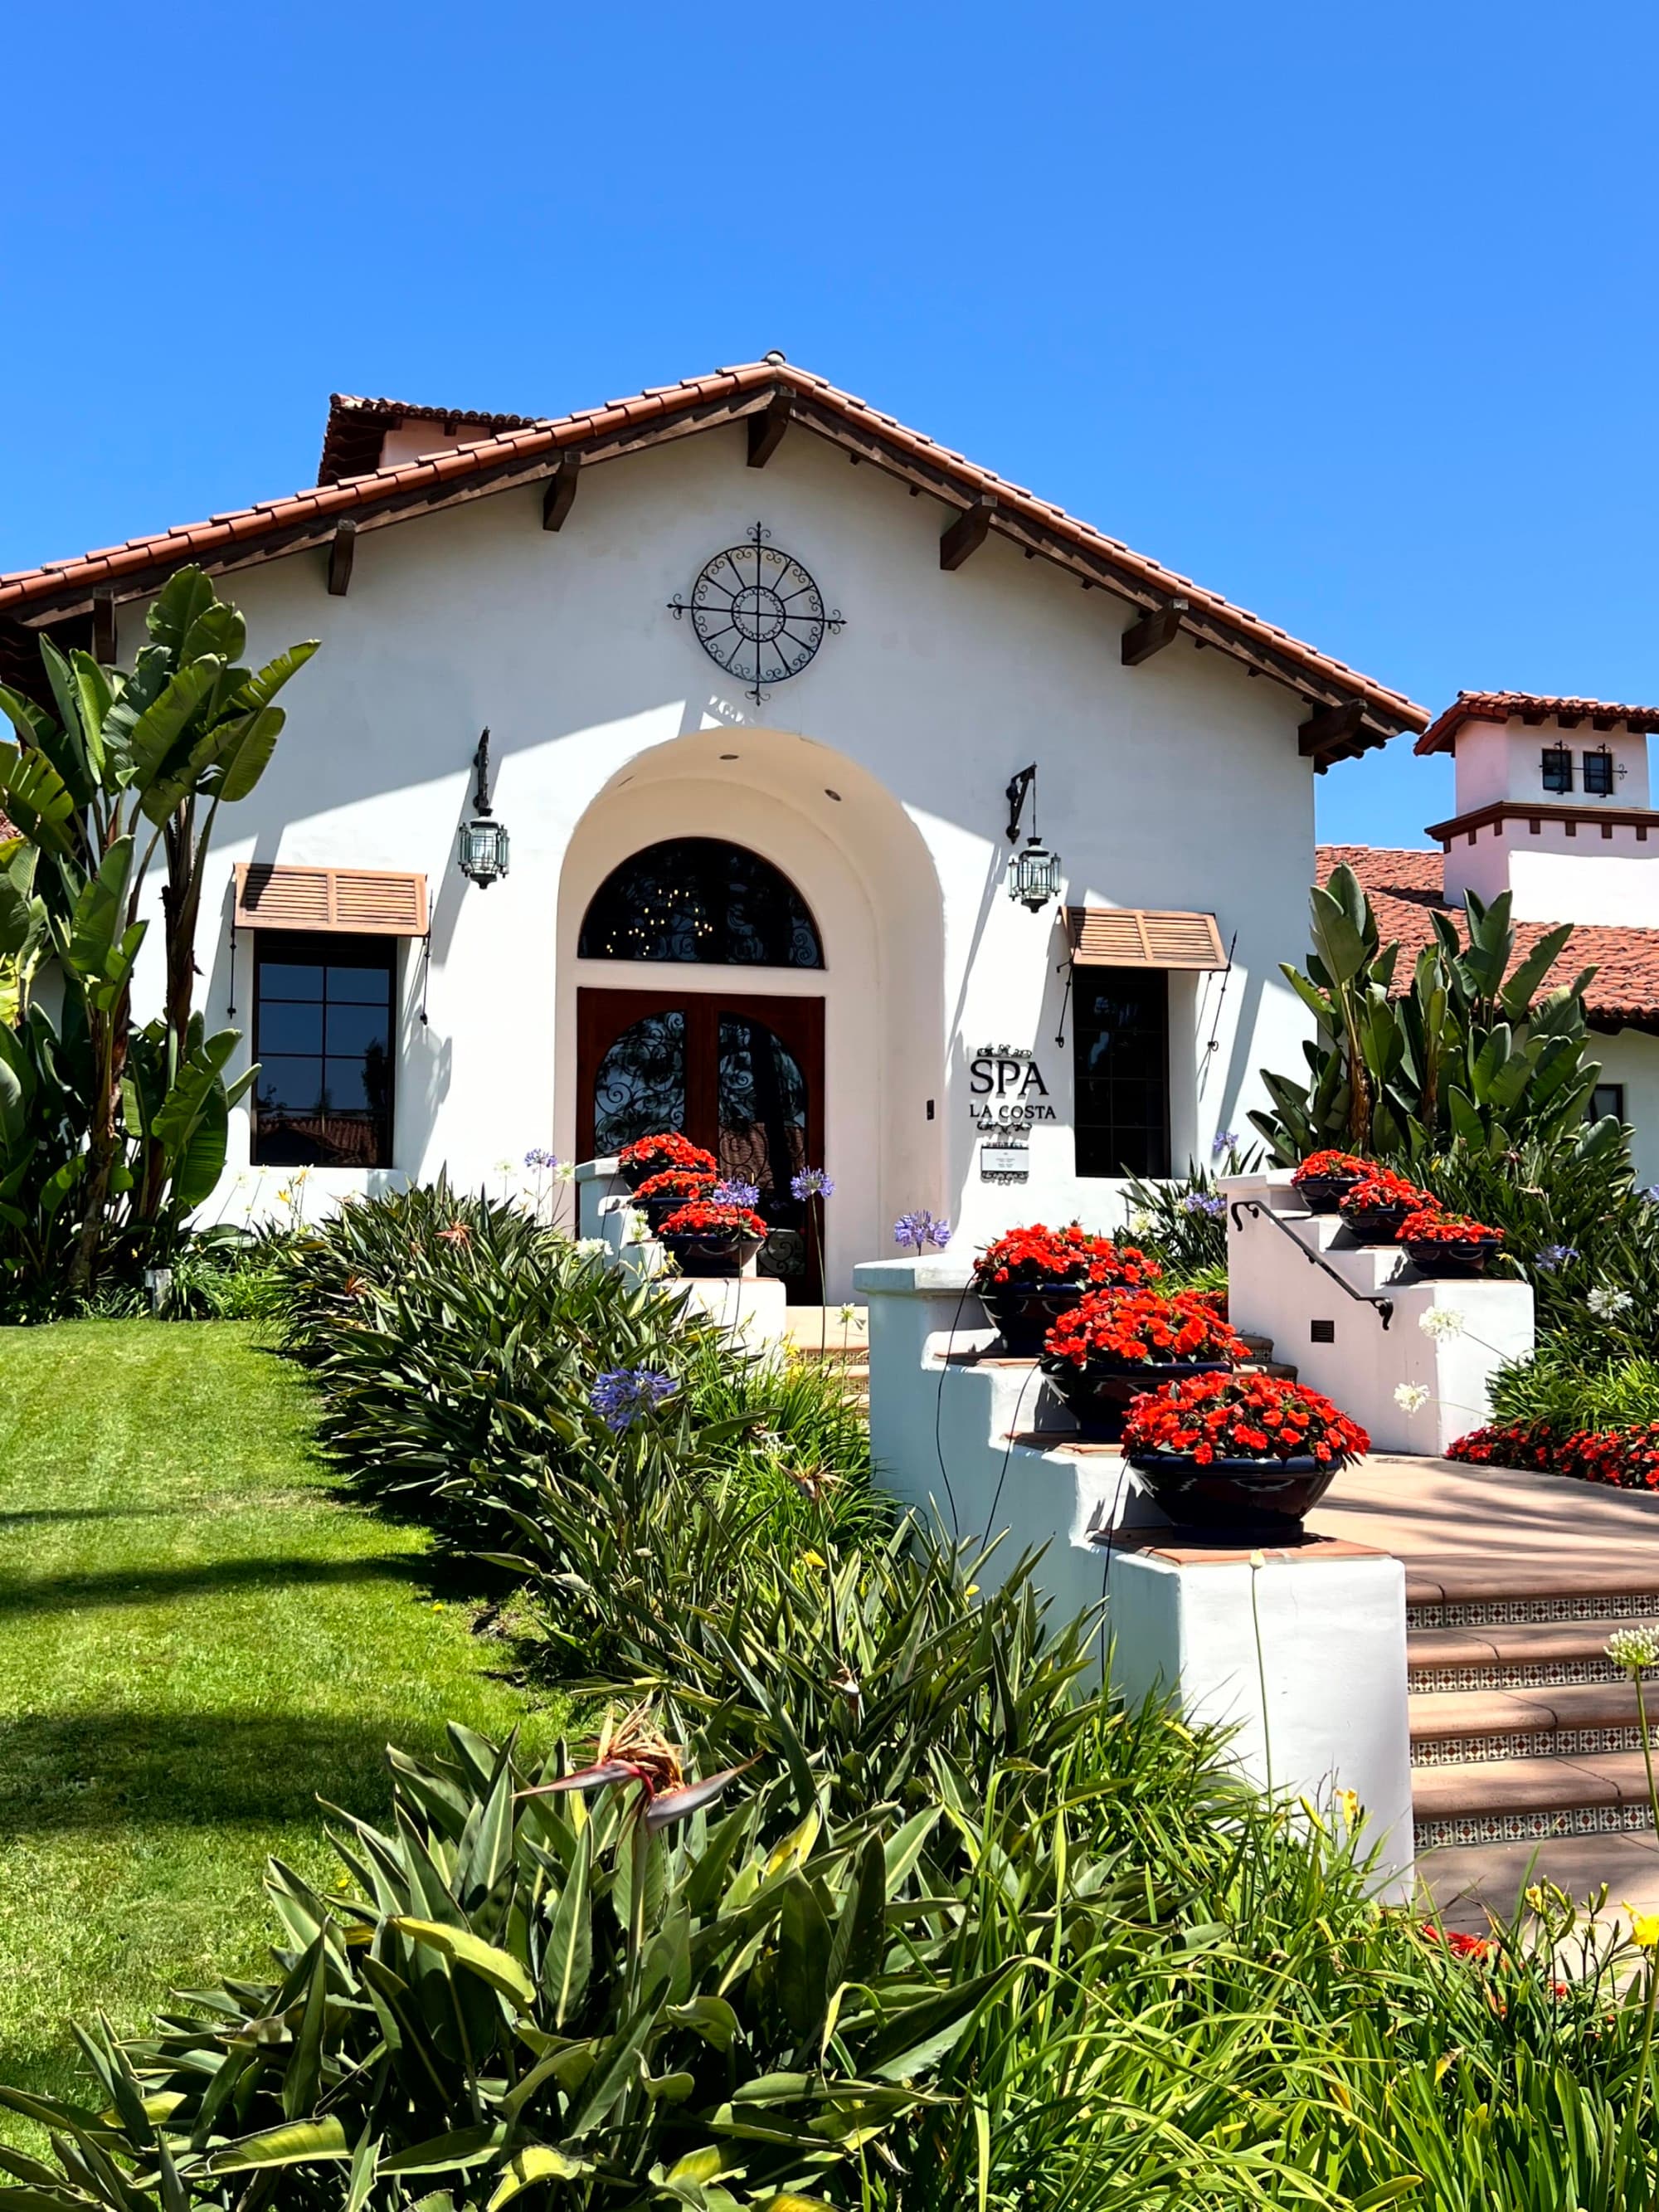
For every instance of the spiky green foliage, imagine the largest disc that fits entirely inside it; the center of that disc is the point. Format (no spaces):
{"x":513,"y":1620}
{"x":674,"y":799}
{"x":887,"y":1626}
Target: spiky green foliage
{"x":1470,"y":1051}
{"x":457,"y":1340}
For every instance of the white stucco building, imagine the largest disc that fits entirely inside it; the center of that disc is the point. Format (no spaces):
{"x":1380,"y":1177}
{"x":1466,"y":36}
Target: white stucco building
{"x":759,"y":665}
{"x":1552,"y":806}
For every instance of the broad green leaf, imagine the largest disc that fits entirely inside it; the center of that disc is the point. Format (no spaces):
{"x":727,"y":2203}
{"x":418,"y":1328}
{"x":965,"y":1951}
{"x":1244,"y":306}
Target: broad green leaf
{"x":499,"y":1968}
{"x":568,"y":1958}
{"x":181,"y":602}
{"x":99,"y":910}
{"x":461,"y":2147}
{"x":539,"y":2162}
{"x":299,"y":2143}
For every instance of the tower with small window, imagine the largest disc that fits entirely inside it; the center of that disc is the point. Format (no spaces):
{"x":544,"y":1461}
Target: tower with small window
{"x":1552,"y":806}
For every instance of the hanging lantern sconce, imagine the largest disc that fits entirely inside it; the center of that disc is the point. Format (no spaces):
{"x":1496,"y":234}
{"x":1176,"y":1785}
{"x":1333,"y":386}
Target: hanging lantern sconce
{"x":482,"y":856}
{"x":1033,"y":870}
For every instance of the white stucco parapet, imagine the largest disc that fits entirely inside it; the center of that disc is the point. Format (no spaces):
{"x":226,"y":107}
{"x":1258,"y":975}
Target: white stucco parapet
{"x":982,"y":1448}
{"x":1360,"y":1324}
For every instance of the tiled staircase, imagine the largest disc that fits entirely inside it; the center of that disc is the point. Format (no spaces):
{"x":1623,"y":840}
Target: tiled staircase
{"x":1521,"y":1726}
{"x":843,"y":1348}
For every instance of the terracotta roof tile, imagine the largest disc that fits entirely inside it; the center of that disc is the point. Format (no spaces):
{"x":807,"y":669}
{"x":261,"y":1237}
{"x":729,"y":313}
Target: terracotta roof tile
{"x":1406,"y":887}
{"x":517,"y":437}
{"x":1500,"y":706}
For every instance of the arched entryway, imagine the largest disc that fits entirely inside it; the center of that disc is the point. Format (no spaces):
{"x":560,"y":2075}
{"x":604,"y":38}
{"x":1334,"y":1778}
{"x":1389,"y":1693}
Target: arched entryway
{"x":750,"y":935}
{"x":738,"y":1072}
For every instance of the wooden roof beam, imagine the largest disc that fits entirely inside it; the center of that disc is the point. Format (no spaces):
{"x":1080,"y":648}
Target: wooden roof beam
{"x":765,"y":429}
{"x":1156,"y":630}
{"x":561,"y":491}
{"x":967,"y":533}
{"x":1327,"y":727}
{"x":342,"y":551}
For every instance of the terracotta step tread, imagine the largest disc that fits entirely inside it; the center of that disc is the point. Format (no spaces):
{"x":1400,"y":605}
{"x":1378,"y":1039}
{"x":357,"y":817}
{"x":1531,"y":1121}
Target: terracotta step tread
{"x":1527,"y":1785}
{"x":1509,"y":1643}
{"x":1570,"y":1574}
{"x":1506,"y":1712}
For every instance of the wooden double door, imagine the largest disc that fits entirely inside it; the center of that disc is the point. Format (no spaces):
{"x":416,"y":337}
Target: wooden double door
{"x":741,"y":1076}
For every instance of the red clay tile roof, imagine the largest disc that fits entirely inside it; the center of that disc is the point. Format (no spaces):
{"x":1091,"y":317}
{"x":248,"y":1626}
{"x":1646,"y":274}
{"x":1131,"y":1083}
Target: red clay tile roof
{"x":351,"y":443}
{"x":1536,"y":706}
{"x":1406,"y":887}
{"x":531,"y":452}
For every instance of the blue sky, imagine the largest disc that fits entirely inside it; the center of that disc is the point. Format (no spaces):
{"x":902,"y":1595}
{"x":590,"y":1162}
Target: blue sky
{"x":1348,"y":312}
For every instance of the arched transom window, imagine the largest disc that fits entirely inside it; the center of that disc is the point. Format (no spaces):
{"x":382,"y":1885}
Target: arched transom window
{"x":700,"y":899}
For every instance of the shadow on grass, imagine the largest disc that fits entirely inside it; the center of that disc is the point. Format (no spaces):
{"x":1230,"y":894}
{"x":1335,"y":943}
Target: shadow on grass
{"x":154,"y":1585}
{"x":198,"y":1770}
{"x":30,"y":1515}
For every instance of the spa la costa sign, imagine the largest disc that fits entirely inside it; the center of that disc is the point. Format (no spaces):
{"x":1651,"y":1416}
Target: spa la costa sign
{"x":1005,"y":1089}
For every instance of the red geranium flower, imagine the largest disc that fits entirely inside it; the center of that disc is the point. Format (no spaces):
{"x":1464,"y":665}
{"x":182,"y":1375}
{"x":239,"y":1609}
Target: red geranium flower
{"x":1242,"y":1416}
{"x":1381,"y":1189}
{"x":701,"y":1219}
{"x":1142,"y":1325}
{"x":1072,"y":1254}
{"x":1434,"y":1225}
{"x":1330,"y":1167}
{"x":668,"y":1148}
{"x":676,"y":1183}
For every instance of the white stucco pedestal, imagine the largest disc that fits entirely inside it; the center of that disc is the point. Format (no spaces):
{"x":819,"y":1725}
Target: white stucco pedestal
{"x":1300,"y":1652}
{"x":983,"y":1446}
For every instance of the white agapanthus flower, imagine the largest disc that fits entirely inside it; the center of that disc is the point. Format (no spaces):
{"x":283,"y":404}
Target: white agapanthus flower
{"x":592,"y":1247}
{"x":1442,"y":1323}
{"x":636,"y":1227}
{"x":1141,"y":1224}
{"x":1604,"y":1301}
{"x":1412,"y":1397}
{"x":564,"y":1171}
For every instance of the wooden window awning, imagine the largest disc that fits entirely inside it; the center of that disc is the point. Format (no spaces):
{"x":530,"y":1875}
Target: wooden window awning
{"x":366,"y":902}
{"x":1135,"y":937}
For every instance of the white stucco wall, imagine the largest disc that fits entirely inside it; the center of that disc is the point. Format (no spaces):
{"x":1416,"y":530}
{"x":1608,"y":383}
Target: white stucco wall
{"x":1500,"y":760}
{"x":1632,"y":1057}
{"x":1175,"y":785}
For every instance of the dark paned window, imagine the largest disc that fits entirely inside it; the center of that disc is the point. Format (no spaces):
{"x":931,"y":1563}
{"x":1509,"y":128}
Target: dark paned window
{"x":1557,"y":769}
{"x":696,"y":898}
{"x":1606,"y":1098}
{"x":1121,"y":1045}
{"x":1598,"y":774}
{"x":322,"y":1036}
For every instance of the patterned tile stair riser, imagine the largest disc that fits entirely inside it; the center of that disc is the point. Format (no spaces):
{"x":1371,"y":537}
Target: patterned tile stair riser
{"x":1545,"y":1675}
{"x":1524,"y":1743}
{"x":1528,"y":1827}
{"x":1516,"y":1611}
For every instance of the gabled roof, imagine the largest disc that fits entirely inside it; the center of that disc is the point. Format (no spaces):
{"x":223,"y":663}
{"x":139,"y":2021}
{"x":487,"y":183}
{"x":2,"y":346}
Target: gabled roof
{"x":1406,"y":887}
{"x":1533,"y":707}
{"x":357,"y":427}
{"x":1366,"y":713}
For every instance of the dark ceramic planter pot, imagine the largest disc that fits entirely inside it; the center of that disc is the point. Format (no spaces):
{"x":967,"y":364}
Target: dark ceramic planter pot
{"x":1377,"y":1224}
{"x":1324,"y":1194}
{"x":1461,"y":1260}
{"x":1246,"y":1499}
{"x":657,"y":1210}
{"x":712,"y":1256}
{"x":1025,"y":1312}
{"x":1100,"y":1394}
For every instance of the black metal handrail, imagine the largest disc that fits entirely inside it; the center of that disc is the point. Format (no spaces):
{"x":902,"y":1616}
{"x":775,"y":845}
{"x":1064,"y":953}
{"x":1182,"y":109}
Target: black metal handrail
{"x":1385,"y":1306}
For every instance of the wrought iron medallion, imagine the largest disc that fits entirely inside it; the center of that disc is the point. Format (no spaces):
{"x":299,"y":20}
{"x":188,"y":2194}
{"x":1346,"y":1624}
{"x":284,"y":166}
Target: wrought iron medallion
{"x":758,"y":613}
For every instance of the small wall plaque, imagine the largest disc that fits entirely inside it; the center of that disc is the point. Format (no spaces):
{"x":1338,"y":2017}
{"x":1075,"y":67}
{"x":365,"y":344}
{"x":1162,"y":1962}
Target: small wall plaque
{"x":1005,"y":1162}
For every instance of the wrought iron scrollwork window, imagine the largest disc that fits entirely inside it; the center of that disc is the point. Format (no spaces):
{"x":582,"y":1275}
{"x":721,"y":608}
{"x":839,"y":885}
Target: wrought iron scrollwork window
{"x":700,"y":899}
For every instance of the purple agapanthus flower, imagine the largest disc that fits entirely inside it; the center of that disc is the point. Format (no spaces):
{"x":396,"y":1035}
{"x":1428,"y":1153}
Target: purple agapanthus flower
{"x":537,"y":1157}
{"x":1207,"y":1202}
{"x":919,"y":1229}
{"x":812,"y":1183}
{"x":735,"y":1192}
{"x":623,"y":1393}
{"x":1225,"y":1140}
{"x":1556,"y":1255}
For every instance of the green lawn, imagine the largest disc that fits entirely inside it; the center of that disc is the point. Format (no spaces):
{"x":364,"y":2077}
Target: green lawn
{"x":199,"y":1637}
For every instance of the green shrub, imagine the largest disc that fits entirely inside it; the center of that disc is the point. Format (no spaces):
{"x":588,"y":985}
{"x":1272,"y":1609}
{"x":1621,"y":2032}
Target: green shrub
{"x":1576,"y":1226}
{"x":1564,"y":1389}
{"x":456,"y":1342}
